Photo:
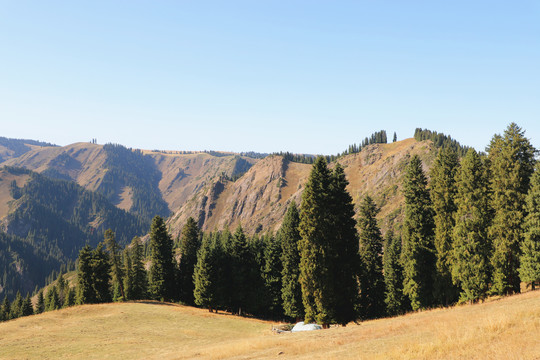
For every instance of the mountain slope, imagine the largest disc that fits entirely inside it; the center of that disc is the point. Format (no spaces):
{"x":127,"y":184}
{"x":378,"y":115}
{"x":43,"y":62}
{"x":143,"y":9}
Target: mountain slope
{"x":502,"y":329}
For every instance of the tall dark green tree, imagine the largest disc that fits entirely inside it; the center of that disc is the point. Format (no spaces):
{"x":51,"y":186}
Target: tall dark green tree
{"x":27,"y":308}
{"x":206,"y":274}
{"x":40,"y":305}
{"x":443,"y":191}
{"x":115,"y":260}
{"x":271,"y":275}
{"x":471,"y":248}
{"x":242,"y":272}
{"x":396,"y":302}
{"x":291,"y":292}
{"x":418,"y":253}
{"x":5,"y":310}
{"x":371,"y":266}
{"x":162,"y":270}
{"x":512,"y":163}
{"x":85,"y":290}
{"x":328,"y":247}
{"x":189,"y":245}
{"x":101,"y":274}
{"x":16,"y":306}
{"x":529,"y":269}
{"x":139,"y":284}
{"x":52,"y":301}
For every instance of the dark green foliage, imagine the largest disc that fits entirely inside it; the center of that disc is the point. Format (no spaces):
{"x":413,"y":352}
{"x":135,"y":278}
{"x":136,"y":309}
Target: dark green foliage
{"x":242,"y":274}
{"x":85,"y":289}
{"x":161,"y":279}
{"x":328,"y":248}
{"x":69,"y":298}
{"x":395,"y":137}
{"x":127,"y":167}
{"x":93,"y":277}
{"x":511,"y":164}
{"x":529,"y":269}
{"x":16,"y":307}
{"x":5,"y":310}
{"x":52,"y":301}
{"x":443,"y":191}
{"x":371,"y":272}
{"x":206,"y":273}
{"x":291,"y":292}
{"x":440,"y":140}
{"x":471,"y":248}
{"x":40,"y":306}
{"x":396,"y":302}
{"x":27,"y":308}
{"x":138,"y":282}
{"x":271,"y":275}
{"x":117,"y":272}
{"x":418,"y":252}
{"x":19,"y":146}
{"x":189,"y":245}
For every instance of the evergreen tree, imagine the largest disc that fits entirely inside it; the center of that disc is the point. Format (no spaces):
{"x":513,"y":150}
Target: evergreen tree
{"x":512,"y":163}
{"x":189,"y":245}
{"x":395,"y":301}
{"x":395,"y":137}
{"x":27,"y":308}
{"x":443,"y":191}
{"x":85,"y":291}
{"x":101,"y":274}
{"x":69,"y":299}
{"x":328,"y":247}
{"x":272,"y":274}
{"x":470,"y":265}
{"x":139,"y":283}
{"x":5,"y":311}
{"x":128,"y":274}
{"x":61,"y":287}
{"x":418,"y":253}
{"x":205,"y":275}
{"x":162,"y":270}
{"x":40,"y":306}
{"x":242,"y":268}
{"x":117,"y":273}
{"x":371,"y":274}
{"x":16,"y":306}
{"x":529,"y":270}
{"x":52,"y":301}
{"x":291,"y":292}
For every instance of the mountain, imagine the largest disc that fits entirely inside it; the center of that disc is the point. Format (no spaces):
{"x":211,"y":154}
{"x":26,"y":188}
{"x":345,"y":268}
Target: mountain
{"x":12,"y":148}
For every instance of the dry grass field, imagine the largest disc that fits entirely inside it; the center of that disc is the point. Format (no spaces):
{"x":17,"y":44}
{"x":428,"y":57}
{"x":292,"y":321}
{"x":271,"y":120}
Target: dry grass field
{"x":507,"y":328}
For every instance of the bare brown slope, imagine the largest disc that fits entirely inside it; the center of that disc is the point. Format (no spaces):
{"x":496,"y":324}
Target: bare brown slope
{"x":6,"y":199}
{"x":259,"y":199}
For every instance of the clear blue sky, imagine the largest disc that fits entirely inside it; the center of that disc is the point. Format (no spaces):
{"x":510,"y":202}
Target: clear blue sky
{"x":303,"y":76}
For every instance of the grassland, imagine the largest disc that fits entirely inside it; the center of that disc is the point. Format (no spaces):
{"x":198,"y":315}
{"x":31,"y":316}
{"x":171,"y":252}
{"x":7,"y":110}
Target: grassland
{"x":507,"y":328}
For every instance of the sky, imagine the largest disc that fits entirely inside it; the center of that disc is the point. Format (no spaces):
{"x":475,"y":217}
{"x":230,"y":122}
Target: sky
{"x":302,"y":76}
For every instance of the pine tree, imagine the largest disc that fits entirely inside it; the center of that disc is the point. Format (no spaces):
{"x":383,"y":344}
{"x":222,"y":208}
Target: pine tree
{"x":128,"y":274}
{"x":395,"y":137}
{"x":101,"y":274}
{"x":529,"y":270}
{"x":16,"y":306}
{"x":117,"y":272}
{"x":69,"y":299}
{"x":205,"y":275}
{"x":242,"y":267}
{"x":371,"y":274}
{"x":139,"y":283}
{"x":291,"y":292}
{"x":61,"y":287}
{"x":395,"y":301}
{"x":418,"y":253}
{"x":5,"y":311}
{"x":52,"y":302}
{"x":27,"y":308}
{"x":85,"y":291}
{"x":162,"y":271}
{"x":470,"y":253}
{"x":40,"y":306}
{"x":271,"y":274}
{"x":189,"y":245}
{"x":443,"y":191}
{"x":512,"y":163}
{"x":328,"y":247}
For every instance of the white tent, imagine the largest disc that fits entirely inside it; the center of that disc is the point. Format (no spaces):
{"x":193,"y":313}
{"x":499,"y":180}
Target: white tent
{"x":305,"y":327}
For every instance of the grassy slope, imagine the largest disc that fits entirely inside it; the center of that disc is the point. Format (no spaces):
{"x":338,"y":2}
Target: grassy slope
{"x":503,"y":329}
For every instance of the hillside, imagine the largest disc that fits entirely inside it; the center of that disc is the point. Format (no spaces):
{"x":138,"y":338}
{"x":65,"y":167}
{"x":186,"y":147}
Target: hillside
{"x":258,"y":200}
{"x":501,"y":329}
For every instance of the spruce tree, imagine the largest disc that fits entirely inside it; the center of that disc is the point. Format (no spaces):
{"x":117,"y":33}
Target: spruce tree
{"x":27,"y":308}
{"x":470,"y":253}
{"x":52,"y":301}
{"x":101,"y":274}
{"x":291,"y":292}
{"x":371,"y":273}
{"x":443,"y":191}
{"x":16,"y":306}
{"x":85,"y":290}
{"x":395,"y":301}
{"x":139,"y":284}
{"x":40,"y":306}
{"x":128,"y":274}
{"x":189,"y":245}
{"x":205,"y":275}
{"x":162,"y":270}
{"x":395,"y":137}
{"x":242,"y":271}
{"x":5,"y":311}
{"x":271,"y":274}
{"x":418,"y":253}
{"x":529,"y":270}
{"x":512,"y":163}
{"x":117,"y":272}
{"x":69,"y":299}
{"x":328,"y":247}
